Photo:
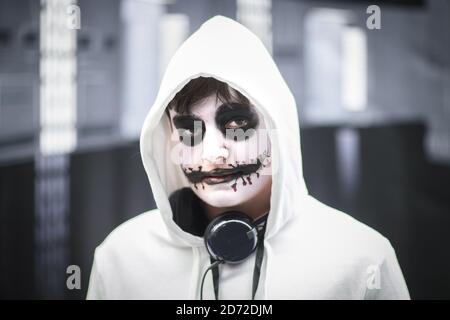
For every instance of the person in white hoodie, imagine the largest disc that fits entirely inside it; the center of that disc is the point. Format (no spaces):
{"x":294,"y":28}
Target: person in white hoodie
{"x":220,"y":83}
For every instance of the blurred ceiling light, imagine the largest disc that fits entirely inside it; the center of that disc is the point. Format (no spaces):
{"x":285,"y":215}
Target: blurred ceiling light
{"x":158,"y":2}
{"x":354,"y":69}
{"x":257,"y":16}
{"x":58,"y":79}
{"x":174,"y":29}
{"x":140,"y":34}
{"x":324,"y":30}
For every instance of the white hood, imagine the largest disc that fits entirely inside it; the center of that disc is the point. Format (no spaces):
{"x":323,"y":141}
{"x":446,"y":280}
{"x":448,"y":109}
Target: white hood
{"x":245,"y":65}
{"x":310,"y":250}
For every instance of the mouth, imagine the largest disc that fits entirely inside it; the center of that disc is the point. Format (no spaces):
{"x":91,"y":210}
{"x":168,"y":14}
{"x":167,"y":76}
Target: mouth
{"x":221,"y":175}
{"x":216,"y":178}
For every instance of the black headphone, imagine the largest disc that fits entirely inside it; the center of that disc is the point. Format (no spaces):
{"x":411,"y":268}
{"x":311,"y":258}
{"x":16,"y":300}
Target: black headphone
{"x":231,"y":238}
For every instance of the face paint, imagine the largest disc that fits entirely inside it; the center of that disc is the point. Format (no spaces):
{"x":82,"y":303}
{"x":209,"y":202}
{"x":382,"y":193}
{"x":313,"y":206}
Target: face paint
{"x":233,"y":117}
{"x":230,"y":161}
{"x":223,"y":175}
{"x":191,"y":129}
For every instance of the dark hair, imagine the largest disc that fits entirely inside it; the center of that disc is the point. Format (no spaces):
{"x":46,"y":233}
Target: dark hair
{"x":200,"y":88}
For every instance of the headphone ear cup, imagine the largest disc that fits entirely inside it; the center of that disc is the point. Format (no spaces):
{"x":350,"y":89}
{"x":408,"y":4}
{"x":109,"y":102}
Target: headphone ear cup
{"x":232,"y":237}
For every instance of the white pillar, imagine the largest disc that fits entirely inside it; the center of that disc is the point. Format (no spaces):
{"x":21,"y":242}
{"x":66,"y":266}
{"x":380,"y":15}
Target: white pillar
{"x":140,"y":65}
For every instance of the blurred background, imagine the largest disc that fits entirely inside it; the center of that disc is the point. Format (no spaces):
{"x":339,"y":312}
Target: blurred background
{"x":78,"y":77}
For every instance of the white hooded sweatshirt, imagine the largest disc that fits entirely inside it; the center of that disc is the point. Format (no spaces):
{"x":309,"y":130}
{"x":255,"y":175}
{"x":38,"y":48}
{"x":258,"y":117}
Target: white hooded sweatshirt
{"x":311,"y":251}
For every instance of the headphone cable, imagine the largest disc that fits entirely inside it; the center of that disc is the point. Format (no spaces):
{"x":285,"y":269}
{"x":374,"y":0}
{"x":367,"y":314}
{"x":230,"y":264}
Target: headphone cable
{"x":213,"y":265}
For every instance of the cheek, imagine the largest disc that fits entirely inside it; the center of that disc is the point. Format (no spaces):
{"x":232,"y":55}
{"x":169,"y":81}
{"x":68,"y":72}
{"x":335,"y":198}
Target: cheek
{"x":239,"y":152}
{"x":182,"y":154}
{"x":228,"y":198}
{"x":248,"y":150}
{"x":190,"y":155}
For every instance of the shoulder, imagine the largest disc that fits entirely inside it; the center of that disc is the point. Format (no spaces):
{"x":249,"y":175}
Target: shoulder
{"x":134,"y":250}
{"x":133,"y":236}
{"x":341,"y":232}
{"x":357,"y":258}
{"x":136,"y":226}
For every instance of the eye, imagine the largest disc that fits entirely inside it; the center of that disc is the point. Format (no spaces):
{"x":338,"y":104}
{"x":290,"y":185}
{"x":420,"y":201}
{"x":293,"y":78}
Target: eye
{"x":189,"y":131}
{"x":236,"y":123}
{"x":192,"y":134}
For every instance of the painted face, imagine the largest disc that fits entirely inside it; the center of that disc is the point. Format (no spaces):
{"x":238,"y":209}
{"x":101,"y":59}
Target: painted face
{"x":225,"y":151}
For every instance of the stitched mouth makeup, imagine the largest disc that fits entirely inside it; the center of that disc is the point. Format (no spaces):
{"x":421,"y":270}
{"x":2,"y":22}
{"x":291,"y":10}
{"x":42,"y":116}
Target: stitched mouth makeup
{"x":224,"y":175}
{"x":220,"y":176}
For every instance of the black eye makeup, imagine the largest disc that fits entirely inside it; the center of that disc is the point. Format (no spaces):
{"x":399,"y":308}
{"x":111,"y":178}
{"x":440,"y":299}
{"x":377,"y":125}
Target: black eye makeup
{"x":191,"y":129}
{"x":234,"y":119}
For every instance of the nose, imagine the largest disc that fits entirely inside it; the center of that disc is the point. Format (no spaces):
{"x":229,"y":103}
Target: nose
{"x":214,"y":147}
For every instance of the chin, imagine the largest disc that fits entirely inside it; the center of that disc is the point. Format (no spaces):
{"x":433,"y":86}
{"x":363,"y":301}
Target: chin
{"x":222,"y":198}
